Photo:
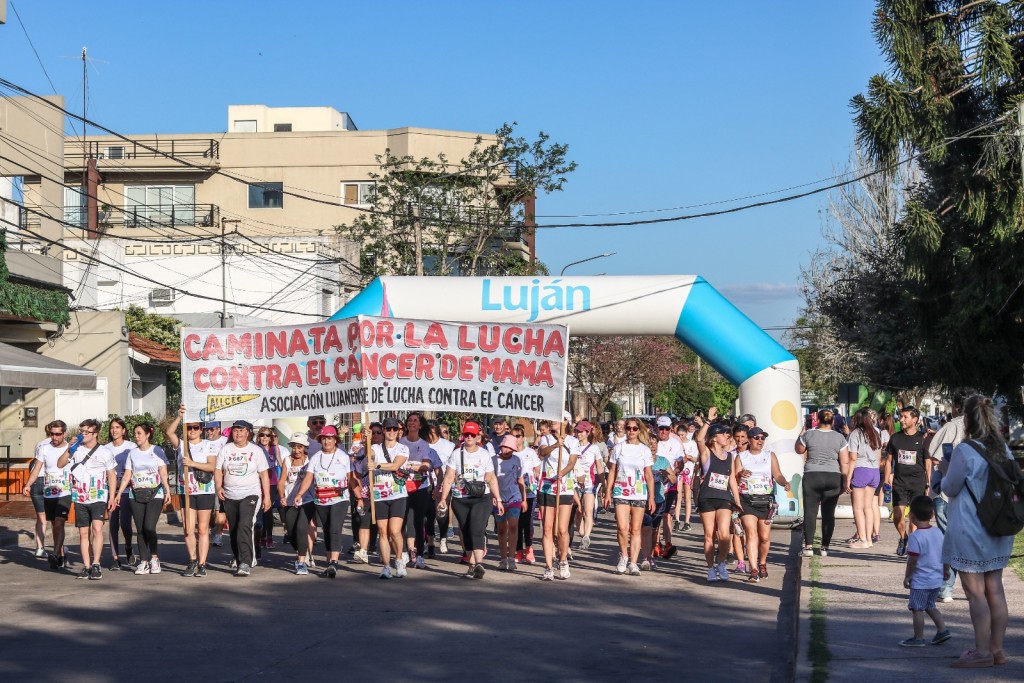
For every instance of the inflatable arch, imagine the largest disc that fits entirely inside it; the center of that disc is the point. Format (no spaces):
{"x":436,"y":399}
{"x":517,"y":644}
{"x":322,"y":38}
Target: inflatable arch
{"x":687,"y":306}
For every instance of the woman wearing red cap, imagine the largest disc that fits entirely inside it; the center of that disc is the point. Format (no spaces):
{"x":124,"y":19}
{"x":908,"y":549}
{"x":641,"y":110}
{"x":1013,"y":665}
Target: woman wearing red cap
{"x":757,"y":471}
{"x":390,"y":497}
{"x":469,"y":473}
{"x":718,"y":493}
{"x":328,"y":477}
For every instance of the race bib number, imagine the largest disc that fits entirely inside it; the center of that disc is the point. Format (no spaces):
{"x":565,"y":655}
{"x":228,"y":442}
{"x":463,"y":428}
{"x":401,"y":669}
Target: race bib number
{"x":718,"y":481}
{"x":758,"y":484}
{"x":145,"y":480}
{"x":907,"y":457}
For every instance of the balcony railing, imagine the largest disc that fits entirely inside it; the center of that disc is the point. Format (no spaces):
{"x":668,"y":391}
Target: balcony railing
{"x":120,"y":150}
{"x":184,"y":215}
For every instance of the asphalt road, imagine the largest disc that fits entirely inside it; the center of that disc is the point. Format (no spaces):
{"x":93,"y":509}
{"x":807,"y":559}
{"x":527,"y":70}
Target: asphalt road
{"x":669,"y":624}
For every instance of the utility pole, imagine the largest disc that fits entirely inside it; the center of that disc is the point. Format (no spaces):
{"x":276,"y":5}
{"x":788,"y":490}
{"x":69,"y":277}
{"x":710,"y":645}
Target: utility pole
{"x":224,"y":270}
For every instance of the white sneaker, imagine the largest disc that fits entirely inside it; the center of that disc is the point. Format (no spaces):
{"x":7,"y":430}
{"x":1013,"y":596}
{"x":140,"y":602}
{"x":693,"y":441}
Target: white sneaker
{"x":549,"y":574}
{"x":420,"y":563}
{"x":634,"y":570}
{"x":723,"y":572}
{"x":405,"y":558}
{"x":444,"y":545}
{"x":143,"y":568}
{"x":386,"y":573}
{"x":362,"y":556}
{"x":400,"y":569}
{"x":620,"y":568}
{"x":824,"y":551}
{"x":40,"y":552}
{"x":646,"y":565}
{"x":563,"y":570}
{"x":585,"y":543}
{"x":512,"y":566}
{"x":154,"y":566}
{"x":713,"y":574}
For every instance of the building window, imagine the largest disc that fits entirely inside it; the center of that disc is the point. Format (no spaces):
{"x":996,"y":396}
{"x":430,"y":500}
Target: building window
{"x":74,"y":206}
{"x":245,"y":126}
{"x":357,"y":193}
{"x":282,"y":128}
{"x":266,"y":195}
{"x":147,"y":205}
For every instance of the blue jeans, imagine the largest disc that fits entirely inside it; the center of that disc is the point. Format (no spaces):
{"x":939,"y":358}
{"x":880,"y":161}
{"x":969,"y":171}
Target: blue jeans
{"x":940,"y":520}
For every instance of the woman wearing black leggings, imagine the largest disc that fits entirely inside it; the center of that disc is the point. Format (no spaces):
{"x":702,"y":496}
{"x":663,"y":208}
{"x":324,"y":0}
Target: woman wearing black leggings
{"x":469,"y":475}
{"x":146,"y":471}
{"x":826,"y":461}
{"x":327,"y":476}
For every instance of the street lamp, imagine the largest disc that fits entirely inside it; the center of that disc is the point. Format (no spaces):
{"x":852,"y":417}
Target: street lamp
{"x":592,"y":258}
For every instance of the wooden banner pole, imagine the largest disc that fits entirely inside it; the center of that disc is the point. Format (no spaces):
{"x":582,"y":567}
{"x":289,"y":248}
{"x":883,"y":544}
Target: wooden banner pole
{"x":185,"y":451}
{"x":368,"y":445}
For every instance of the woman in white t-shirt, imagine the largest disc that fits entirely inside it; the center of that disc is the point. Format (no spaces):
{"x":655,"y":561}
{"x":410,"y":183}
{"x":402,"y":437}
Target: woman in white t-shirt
{"x":531,"y":481}
{"x":390,"y":498}
{"x":557,"y":496}
{"x":243,"y":487}
{"x":469,"y":473}
{"x":121,"y":516}
{"x":685,"y":467}
{"x":862,"y":478}
{"x":589,"y":474}
{"x":201,"y":462}
{"x":297,"y":510}
{"x":146,"y":471}
{"x":49,"y":487}
{"x":327,"y":476}
{"x":630,"y":484}
{"x":756,"y":471}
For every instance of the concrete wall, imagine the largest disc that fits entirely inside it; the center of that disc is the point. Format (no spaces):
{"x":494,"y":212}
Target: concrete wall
{"x":300,"y":118}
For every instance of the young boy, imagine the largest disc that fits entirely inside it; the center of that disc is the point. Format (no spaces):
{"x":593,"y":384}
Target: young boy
{"x":924,"y":574}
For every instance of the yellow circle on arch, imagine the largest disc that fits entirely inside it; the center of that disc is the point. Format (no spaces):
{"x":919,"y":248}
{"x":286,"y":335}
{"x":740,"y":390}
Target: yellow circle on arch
{"x":784,"y":415}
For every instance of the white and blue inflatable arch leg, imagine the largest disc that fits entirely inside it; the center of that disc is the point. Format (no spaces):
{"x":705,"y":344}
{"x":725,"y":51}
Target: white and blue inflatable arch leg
{"x":687,"y":306}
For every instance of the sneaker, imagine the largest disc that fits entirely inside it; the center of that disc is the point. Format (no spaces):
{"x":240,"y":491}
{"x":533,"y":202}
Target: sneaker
{"x":941,"y":637}
{"x":519,"y":556}
{"x":808,"y":551}
{"x":468,"y":574}
{"x":464,"y":559}
{"x":762,"y":571}
{"x":529,"y":557}
{"x":405,"y":558}
{"x":668,"y":551}
{"x":243,"y":570}
{"x":563,"y":570}
{"x":444,"y":546}
{"x":946,"y":598}
{"x":621,"y":567}
{"x":54,"y":561}
{"x":646,"y":565}
{"x":301,"y":569}
{"x":201,"y":571}
{"x":84,"y":574}
{"x":512,"y":565}
{"x":154,"y":566}
{"x":913,"y":642}
{"x":362,"y":557}
{"x":400,"y":569}
{"x":133,"y":559}
{"x":431,"y":552}
{"x":143,"y":568}
{"x":585,"y":543}
{"x":713,"y":574}
{"x":420,"y":563}
{"x":753,"y":576}
{"x":450,"y":534}
{"x":875,"y":538}
{"x":116,"y":565}
{"x":386,"y":573}
{"x":824,"y":551}
{"x":633,"y":569}
{"x":95,"y":574}
{"x":972,"y":659}
{"x":549,"y":574}
{"x":901,"y":547}
{"x":502,"y":564}
{"x":269,"y":543}
{"x":852,"y":539}
{"x":233,"y":564}
{"x":657,"y":550}
{"x":40,"y":552}
{"x":741,"y":567}
{"x":686,"y":526}
{"x":190,"y":568}
{"x":218,"y":540}
{"x":675,"y":525}
{"x":63,"y":562}
{"x":331,"y":571}
{"x":861,"y":545}
{"x":479,"y":571}
{"x":723,"y":572}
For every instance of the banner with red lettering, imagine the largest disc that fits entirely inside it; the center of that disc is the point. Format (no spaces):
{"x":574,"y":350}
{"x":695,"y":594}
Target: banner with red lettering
{"x":367,"y":363}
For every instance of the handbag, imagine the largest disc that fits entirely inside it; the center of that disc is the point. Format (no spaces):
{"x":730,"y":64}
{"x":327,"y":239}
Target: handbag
{"x":473,"y":489}
{"x":145,"y":495}
{"x":398,"y":475}
{"x":202,"y":476}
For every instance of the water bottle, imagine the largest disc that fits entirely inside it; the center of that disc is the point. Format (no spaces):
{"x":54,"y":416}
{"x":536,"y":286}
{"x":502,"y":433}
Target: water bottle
{"x":887,"y":489}
{"x":75,"y":444}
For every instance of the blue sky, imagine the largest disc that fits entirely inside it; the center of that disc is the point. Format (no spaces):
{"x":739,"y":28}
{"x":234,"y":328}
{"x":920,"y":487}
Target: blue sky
{"x":662,"y":104}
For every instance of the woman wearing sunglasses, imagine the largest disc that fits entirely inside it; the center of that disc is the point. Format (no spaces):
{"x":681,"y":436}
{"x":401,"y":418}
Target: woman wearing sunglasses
{"x":146,"y":471}
{"x":328,"y":478}
{"x":757,"y":471}
{"x":718,"y":493}
{"x":297,"y":510}
{"x":390,"y":498}
{"x":362,"y":523}
{"x":631,"y":487}
{"x":556,"y":497}
{"x":200,"y":461}
{"x":266,"y":438}
{"x":589,"y":473}
{"x":469,"y":474}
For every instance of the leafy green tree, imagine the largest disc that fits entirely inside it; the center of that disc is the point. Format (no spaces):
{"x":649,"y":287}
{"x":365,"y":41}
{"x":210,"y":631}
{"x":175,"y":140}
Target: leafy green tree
{"x":449,"y":217}
{"x":695,"y":386}
{"x":950,"y":98}
{"x":163,"y":330}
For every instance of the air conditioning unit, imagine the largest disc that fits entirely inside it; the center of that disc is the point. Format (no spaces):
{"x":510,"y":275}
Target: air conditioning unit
{"x":115,"y":152}
{"x":161,"y":297}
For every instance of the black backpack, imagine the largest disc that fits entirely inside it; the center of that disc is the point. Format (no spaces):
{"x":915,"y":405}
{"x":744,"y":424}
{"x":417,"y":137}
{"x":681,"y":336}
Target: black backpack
{"x":1001,"y":508}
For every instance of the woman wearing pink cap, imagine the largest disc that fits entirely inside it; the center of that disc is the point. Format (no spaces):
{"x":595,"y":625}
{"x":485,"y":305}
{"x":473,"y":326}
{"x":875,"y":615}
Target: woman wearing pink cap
{"x":509,"y":470}
{"x":328,"y":477}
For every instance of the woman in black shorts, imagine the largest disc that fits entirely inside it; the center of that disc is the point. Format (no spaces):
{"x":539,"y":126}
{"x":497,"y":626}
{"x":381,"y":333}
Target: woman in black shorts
{"x":757,"y":471}
{"x":718,"y":493}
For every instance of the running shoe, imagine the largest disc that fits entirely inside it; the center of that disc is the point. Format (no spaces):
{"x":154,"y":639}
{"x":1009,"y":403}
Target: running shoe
{"x":451,"y":534}
{"x":243,"y":570}
{"x":972,"y":659}
{"x":233,"y":564}
{"x":95,"y":574}
{"x":54,"y":561}
{"x":405,"y":558}
{"x":633,"y":569}
{"x":469,"y":574}
{"x":400,"y":570}
{"x":301,"y":569}
{"x":657,"y":550}
{"x":386,"y":573}
{"x":519,"y":556}
{"x":502,"y":564}
{"x":876,"y":538}
{"x":512,"y":565}
{"x":646,"y":565}
{"x":675,"y":525}
{"x":218,"y":540}
{"x":40,"y":552}
{"x":420,"y":563}
{"x":741,"y":567}
{"x":431,"y":552}
{"x":563,"y":570}
{"x":132,"y":558}
{"x":824,"y":551}
{"x":762,"y":571}
{"x":913,"y":642}
{"x":713,"y":574}
{"x":331,"y":571}
{"x":901,"y":546}
{"x":84,"y":574}
{"x":529,"y":559}
{"x":686,"y":526}
{"x":654,"y":565}
{"x":723,"y":572}
{"x":479,"y":571}
{"x":668,"y":551}
{"x":808,"y":551}
{"x":852,"y":539}
{"x":201,"y":571}
{"x":621,"y":567}
{"x":190,"y":568}
{"x":585,"y":543}
{"x":464,"y":559}
{"x":154,"y":566}
{"x":362,"y":557}
{"x":549,"y":574}
{"x":269,"y":543}
{"x":116,"y":565}
{"x":753,"y":577}
{"x":946,"y":598}
{"x":444,"y":546}
{"x":143,"y":568}
{"x":63,"y":562}
{"x":941,"y":637}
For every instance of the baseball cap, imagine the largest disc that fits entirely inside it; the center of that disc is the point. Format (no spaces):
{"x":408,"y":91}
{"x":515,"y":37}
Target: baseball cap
{"x":509,"y":441}
{"x":719,"y":428}
{"x":471,"y":428}
{"x":584,"y":426}
{"x":300,"y":438}
{"x":664,"y":421}
{"x":242,"y":424}
{"x":211,"y":425}
{"x":329,"y":430}
{"x":392,"y":423}
{"x":756,"y":431}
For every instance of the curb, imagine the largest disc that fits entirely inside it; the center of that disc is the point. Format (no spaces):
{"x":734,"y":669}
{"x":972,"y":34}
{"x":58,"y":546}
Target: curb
{"x":791,"y":609}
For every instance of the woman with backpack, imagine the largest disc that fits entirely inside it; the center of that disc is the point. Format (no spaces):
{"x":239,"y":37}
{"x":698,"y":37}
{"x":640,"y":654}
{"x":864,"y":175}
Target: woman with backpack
{"x":969,"y":546}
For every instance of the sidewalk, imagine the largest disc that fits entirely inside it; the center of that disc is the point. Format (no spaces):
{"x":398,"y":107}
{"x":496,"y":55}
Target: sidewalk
{"x":853,"y":614}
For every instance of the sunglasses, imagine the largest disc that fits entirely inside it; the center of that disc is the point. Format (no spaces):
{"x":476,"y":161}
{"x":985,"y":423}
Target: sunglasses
{"x":664,"y":429}
{"x":391,"y":429}
{"x":191,"y":427}
{"x":757,"y":438}
{"x":466,"y":435}
{"x":318,"y":422}
{"x":56,"y":433}
{"x":632,"y":428}
{"x":376,"y":432}
{"x":264,"y":435}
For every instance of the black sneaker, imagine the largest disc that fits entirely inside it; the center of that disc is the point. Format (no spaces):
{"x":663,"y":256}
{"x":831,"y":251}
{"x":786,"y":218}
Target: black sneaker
{"x":686,"y":526}
{"x":62,"y":562}
{"x":133,"y":560}
{"x":331,"y":571}
{"x":190,"y":568}
{"x":901,"y":547}
{"x":84,"y":574}
{"x":201,"y":570}
{"x":431,"y":553}
{"x":675,"y":525}
{"x":116,"y":565}
{"x":53,"y":561}
{"x":95,"y":574}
